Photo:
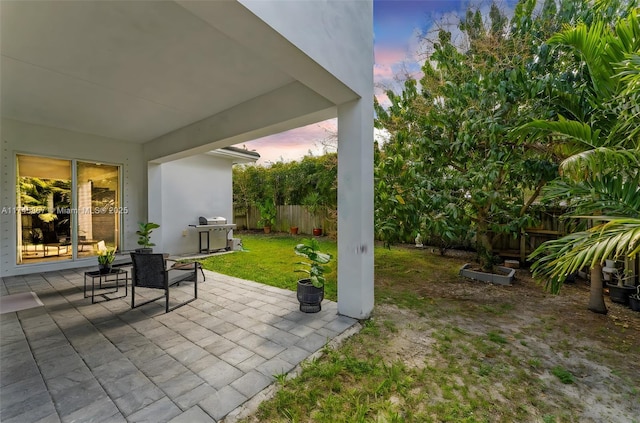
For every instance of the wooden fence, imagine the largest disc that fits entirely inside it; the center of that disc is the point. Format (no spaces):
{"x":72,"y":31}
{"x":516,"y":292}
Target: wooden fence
{"x":286,"y":217}
{"x":550,"y":227}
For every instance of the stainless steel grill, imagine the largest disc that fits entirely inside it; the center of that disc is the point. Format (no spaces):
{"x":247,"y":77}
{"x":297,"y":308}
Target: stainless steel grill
{"x":217,"y":220}
{"x":213,"y":233}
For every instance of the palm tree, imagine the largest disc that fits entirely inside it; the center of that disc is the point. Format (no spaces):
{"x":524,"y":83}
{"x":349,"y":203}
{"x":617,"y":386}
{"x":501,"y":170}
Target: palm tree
{"x":599,"y":136}
{"x":616,"y":234}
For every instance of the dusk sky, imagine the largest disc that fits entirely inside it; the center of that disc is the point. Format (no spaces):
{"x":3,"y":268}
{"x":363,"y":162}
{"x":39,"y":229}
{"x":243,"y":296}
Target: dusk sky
{"x":398,"y":27}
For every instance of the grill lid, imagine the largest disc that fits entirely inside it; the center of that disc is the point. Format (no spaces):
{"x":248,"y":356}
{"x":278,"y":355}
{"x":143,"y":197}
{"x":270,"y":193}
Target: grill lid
{"x":217,"y":220}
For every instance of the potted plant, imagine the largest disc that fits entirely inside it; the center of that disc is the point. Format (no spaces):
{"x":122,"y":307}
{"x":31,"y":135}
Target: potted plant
{"x":144,"y":234}
{"x":293,"y":229}
{"x":313,"y":204}
{"x":268,"y":214}
{"x":619,"y":292}
{"x":105,"y":258}
{"x":310,"y":291}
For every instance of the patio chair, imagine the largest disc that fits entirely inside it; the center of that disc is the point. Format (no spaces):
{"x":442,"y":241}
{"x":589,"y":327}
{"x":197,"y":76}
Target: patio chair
{"x":149,"y":271}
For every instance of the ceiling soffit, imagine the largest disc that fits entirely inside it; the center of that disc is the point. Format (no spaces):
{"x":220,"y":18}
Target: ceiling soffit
{"x":129,"y":70}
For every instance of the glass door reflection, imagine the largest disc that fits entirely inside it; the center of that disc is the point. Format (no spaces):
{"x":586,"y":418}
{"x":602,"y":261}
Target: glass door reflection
{"x":98,"y":199}
{"x":43,"y":209}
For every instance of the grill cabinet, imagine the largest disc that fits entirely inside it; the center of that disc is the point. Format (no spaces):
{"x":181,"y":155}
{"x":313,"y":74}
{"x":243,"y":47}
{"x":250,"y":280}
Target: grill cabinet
{"x":213,"y":233}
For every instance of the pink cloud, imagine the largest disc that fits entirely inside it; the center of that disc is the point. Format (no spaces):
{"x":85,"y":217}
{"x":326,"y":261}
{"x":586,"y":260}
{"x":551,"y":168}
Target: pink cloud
{"x":394,"y":63}
{"x":387,"y":54}
{"x":383,"y":99}
{"x":382,"y":72}
{"x":387,"y":62}
{"x":273,"y":153}
{"x":293,"y":144}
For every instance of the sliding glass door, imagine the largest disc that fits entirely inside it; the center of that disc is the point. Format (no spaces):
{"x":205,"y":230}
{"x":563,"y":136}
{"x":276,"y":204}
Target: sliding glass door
{"x":98,"y":206}
{"x":44,"y":185}
{"x":56,"y":221}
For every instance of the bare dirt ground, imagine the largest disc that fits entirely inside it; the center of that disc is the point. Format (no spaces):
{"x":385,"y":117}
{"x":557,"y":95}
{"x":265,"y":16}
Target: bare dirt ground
{"x":602,"y":352}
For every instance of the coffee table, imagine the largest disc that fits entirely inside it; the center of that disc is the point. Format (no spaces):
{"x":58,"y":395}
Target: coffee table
{"x":112,"y":281}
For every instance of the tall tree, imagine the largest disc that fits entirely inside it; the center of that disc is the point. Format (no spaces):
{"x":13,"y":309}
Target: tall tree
{"x":453,"y":167}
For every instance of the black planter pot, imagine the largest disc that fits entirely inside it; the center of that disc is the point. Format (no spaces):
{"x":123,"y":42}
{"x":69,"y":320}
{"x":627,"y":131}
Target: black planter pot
{"x":309,"y":297}
{"x":620,"y":294}
{"x":104,"y":268}
{"x":144,"y":250}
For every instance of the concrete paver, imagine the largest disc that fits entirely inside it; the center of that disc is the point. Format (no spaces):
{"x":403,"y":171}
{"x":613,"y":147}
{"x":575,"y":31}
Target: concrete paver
{"x":76,"y":361}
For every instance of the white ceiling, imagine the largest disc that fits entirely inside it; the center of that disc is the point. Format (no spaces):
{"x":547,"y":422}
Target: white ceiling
{"x":130,"y":70}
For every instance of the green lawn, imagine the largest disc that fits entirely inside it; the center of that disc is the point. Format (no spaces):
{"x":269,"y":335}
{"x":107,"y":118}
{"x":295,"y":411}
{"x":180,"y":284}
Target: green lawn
{"x":269,"y":259}
{"x":442,"y":349}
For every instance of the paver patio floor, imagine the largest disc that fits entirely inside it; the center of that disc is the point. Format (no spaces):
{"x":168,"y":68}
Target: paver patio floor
{"x":73,"y":361}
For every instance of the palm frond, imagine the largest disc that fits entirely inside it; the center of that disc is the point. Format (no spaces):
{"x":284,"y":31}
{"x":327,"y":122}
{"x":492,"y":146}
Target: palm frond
{"x":567,"y":130}
{"x":590,"y":42}
{"x":611,"y":194}
{"x":629,"y":72}
{"x":600,"y":160}
{"x":28,"y":200}
{"x":556,"y":259}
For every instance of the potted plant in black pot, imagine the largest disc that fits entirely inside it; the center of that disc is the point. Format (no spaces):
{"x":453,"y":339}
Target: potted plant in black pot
{"x":144,"y":234}
{"x":310,"y":291}
{"x":105,"y":259}
{"x":619,"y":291}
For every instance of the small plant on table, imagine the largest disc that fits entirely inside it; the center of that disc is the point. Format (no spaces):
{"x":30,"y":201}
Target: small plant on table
{"x":105,"y":258}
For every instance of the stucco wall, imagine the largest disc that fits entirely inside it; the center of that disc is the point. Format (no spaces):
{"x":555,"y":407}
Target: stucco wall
{"x":191,"y":187}
{"x":21,"y":137}
{"x":337,"y":34}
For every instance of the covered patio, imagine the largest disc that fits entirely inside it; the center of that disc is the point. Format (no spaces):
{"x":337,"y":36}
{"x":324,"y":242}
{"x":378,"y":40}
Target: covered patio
{"x":111,"y":96}
{"x":71,"y":360}
{"x":102,"y":99}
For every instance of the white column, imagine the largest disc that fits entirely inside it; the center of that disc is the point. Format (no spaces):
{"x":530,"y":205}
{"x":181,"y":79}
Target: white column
{"x":155,"y":205}
{"x":355,"y":208}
